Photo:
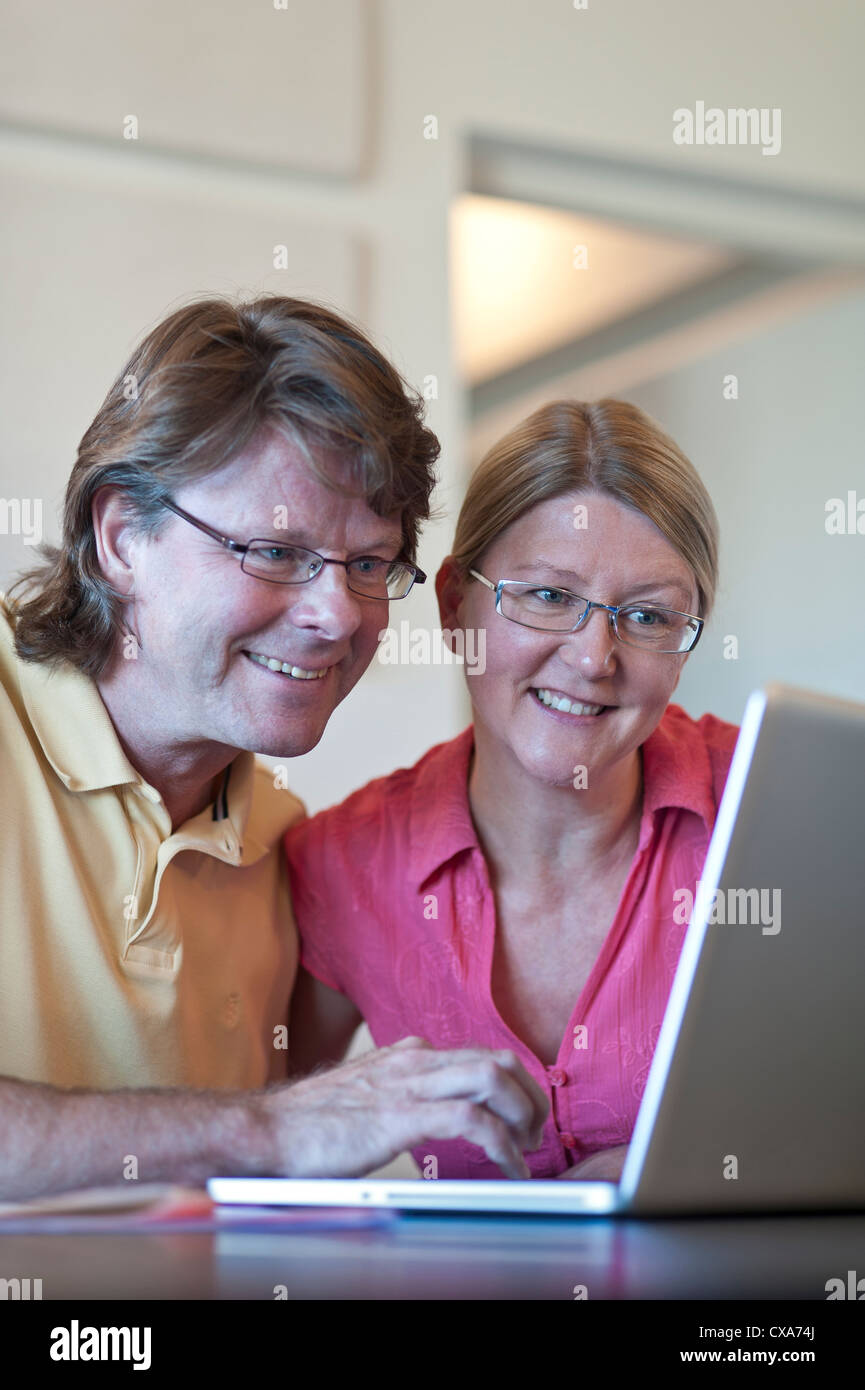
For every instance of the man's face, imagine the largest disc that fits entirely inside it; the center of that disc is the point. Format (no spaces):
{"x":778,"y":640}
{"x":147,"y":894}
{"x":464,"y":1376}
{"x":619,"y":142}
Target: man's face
{"x":201,"y":620}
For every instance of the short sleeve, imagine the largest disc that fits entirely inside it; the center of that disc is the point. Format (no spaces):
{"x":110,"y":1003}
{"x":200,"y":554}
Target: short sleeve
{"x":309,"y":877}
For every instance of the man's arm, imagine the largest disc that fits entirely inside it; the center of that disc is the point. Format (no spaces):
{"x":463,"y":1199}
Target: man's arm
{"x":340,"y":1123}
{"x":55,"y":1139}
{"x":321,"y":1025}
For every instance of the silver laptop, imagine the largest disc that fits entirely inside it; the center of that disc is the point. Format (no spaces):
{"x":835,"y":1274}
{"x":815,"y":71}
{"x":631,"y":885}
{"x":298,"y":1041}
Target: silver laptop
{"x":755,"y":1099}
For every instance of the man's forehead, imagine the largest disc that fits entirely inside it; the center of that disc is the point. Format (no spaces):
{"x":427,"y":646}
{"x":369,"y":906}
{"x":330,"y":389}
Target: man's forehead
{"x":272,"y":487}
{"x":281,"y":464}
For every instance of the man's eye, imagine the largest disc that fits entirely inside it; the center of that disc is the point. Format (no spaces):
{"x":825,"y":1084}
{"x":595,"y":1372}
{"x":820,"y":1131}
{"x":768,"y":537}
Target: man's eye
{"x":286,"y":557}
{"x":367,"y":564}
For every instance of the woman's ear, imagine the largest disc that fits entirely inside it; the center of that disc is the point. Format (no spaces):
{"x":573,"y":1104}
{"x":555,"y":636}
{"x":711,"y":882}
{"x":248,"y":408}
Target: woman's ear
{"x":449,"y":591}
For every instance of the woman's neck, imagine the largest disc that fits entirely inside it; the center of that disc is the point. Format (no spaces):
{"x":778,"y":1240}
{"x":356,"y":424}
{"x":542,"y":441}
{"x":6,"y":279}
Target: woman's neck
{"x":529,"y":828}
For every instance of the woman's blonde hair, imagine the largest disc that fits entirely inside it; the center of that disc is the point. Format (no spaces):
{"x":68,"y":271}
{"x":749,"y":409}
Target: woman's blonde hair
{"x":607,"y":445}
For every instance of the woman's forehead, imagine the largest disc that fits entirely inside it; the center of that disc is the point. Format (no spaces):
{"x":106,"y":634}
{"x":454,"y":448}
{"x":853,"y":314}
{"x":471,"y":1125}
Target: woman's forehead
{"x":587,"y":536}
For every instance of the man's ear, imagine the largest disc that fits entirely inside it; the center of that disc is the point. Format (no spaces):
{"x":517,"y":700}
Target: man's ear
{"x":112,"y":532}
{"x":449,"y":591}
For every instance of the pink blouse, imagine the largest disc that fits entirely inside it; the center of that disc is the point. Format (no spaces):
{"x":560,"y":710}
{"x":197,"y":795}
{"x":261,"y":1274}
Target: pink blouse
{"x":395,"y":910}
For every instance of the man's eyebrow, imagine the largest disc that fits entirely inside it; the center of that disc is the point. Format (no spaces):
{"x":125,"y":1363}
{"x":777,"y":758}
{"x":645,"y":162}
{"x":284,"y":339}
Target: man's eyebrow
{"x":569,"y":578}
{"x":292,"y":536}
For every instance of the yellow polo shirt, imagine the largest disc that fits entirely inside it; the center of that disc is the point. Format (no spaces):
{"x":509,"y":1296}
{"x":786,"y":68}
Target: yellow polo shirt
{"x":131,"y":956}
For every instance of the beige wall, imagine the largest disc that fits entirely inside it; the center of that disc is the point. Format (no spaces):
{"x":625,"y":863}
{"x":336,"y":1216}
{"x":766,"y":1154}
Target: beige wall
{"x":305,"y":126}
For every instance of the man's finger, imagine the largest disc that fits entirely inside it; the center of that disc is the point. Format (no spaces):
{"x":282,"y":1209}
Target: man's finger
{"x":441,"y":1058}
{"x":469,"y":1120}
{"x":483,"y":1080}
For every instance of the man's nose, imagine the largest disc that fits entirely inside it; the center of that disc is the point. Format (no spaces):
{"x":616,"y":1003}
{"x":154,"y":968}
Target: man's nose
{"x":327,"y":604}
{"x":592,"y":648}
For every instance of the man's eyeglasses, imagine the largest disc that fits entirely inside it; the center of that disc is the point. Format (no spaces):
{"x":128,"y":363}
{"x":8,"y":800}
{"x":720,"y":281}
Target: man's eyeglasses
{"x":552,"y":609}
{"x":275,"y":563}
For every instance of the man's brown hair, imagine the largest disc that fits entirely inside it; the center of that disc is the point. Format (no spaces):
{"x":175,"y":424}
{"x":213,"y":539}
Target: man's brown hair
{"x":195,"y":393}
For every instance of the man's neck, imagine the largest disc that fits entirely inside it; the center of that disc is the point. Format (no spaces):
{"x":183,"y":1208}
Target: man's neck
{"x":184,"y":806}
{"x":186,"y":775}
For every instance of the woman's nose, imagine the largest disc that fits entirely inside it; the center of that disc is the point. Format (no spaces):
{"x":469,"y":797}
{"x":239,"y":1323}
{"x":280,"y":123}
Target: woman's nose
{"x":592,"y":647}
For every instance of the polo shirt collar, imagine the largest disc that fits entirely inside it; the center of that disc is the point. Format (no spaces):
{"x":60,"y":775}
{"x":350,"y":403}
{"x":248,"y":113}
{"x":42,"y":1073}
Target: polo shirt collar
{"x":80,"y":742}
{"x":258,"y":813}
{"x":222,"y":828}
{"x":74,"y":727}
{"x":676,"y":773}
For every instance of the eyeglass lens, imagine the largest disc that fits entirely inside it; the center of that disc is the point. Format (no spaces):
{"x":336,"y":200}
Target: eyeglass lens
{"x":556,"y":610}
{"x":286,"y":564}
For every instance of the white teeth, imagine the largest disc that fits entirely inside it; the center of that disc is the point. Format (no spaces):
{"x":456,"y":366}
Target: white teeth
{"x":297,"y":672}
{"x":561,"y":702}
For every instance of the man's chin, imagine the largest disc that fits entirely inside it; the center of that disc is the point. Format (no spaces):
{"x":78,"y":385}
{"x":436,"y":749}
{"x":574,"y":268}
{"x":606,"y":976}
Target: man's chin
{"x":285,"y":745}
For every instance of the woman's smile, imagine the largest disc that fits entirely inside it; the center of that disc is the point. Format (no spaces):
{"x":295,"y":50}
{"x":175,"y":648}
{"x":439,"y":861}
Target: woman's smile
{"x":556,"y":702}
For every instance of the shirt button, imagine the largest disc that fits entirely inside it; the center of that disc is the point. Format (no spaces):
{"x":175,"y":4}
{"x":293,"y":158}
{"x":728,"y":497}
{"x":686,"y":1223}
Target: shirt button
{"x":569,"y":1140}
{"x":558,"y":1077}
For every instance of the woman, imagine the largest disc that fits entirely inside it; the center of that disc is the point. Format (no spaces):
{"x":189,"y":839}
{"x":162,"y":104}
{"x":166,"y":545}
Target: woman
{"x":515,"y":888}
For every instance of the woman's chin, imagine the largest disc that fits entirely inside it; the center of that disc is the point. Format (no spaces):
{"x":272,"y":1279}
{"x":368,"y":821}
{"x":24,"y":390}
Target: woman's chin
{"x":548,"y":768}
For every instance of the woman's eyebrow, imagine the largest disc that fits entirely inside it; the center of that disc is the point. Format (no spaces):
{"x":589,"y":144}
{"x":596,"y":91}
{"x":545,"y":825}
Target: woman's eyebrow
{"x":570,"y":578}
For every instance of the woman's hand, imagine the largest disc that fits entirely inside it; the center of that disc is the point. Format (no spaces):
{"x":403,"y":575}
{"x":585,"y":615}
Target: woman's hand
{"x":605,"y":1165}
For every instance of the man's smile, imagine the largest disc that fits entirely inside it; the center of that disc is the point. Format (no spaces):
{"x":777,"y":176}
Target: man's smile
{"x":285,"y":668}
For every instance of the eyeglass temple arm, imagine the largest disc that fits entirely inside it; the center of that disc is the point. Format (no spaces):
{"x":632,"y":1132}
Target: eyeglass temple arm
{"x":239,"y":549}
{"x":483,"y":580}
{"x":208,"y":530}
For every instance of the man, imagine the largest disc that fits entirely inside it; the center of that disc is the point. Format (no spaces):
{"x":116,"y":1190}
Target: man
{"x":243,"y":505}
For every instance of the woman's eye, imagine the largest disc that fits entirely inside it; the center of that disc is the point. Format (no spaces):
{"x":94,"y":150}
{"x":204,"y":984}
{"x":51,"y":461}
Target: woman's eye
{"x":552,"y":596}
{"x":647,"y":617}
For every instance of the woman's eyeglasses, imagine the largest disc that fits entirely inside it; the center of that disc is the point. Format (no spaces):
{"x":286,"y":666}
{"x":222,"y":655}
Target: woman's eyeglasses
{"x":551,"y":609}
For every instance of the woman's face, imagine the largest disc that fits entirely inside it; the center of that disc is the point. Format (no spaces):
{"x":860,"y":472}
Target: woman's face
{"x":619,"y":557}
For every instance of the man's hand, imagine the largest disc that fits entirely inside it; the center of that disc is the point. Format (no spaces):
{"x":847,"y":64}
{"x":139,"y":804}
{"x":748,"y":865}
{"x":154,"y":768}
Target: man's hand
{"x":607,"y":1164}
{"x":352,"y":1119}
{"x":340,"y":1123}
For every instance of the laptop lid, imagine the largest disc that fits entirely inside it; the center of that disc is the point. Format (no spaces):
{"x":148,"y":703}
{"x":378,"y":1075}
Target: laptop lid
{"x":755,"y":1098}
